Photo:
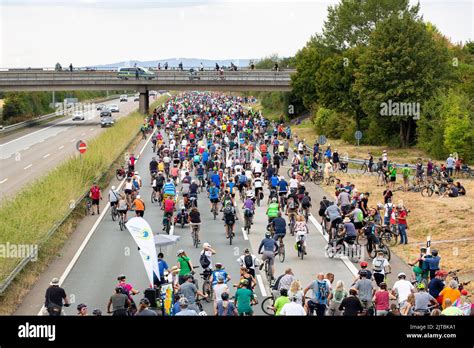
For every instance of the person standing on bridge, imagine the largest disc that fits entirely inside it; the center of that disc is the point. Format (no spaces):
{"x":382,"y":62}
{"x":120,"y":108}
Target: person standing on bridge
{"x":70,"y":67}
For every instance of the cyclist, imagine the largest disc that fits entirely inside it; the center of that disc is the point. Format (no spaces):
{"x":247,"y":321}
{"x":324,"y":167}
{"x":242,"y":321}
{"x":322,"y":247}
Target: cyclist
{"x":229,"y":218}
{"x":128,"y":290}
{"x":169,"y":189}
{"x":249,"y":207}
{"x":282,"y":188}
{"x":219,"y":272}
{"x":319,"y":301}
{"x":306,"y":202}
{"x":114,"y":197}
{"x":268,"y":247}
{"x":333,"y":213}
{"x":301,"y":230}
{"x":158,"y":183}
{"x":214,"y":196}
{"x":273,"y":210}
{"x":380,"y":267}
{"x":249,"y":261}
{"x":131,"y":163}
{"x":423,"y":300}
{"x":258,"y":186}
{"x":279,"y":227}
{"x":122,"y":207}
{"x":169,"y":207}
{"x":244,"y":298}
{"x":139,"y":206}
{"x":153,"y":168}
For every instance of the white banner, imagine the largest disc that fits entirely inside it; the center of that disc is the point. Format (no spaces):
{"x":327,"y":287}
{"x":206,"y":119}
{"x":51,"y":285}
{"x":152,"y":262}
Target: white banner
{"x":143,"y":236}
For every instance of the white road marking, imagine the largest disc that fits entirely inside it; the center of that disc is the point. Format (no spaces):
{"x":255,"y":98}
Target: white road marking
{"x":261,"y":286}
{"x":246,"y":237}
{"x":344,"y":258}
{"x":28,"y":166}
{"x":171,"y":230}
{"x":46,"y":156}
{"x":83,"y":134}
{"x":89,"y":235}
{"x":1,"y":182}
{"x":73,"y":140}
{"x":61,"y":147}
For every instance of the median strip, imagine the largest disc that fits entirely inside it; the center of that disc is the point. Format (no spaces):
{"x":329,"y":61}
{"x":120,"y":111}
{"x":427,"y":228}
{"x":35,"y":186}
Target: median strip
{"x":47,"y":155}
{"x":28,"y":166}
{"x":4,"y":180}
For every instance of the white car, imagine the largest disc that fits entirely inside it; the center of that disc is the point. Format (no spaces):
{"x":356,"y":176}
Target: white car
{"x":78,"y":115}
{"x":153,"y":93}
{"x":136,"y":97}
{"x":124,"y":98}
{"x":113,"y":108}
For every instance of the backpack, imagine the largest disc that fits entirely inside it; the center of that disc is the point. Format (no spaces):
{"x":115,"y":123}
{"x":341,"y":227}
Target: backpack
{"x":228,"y":211}
{"x":305,"y":201}
{"x":378,"y":265}
{"x":291,"y":203}
{"x":322,"y":291}
{"x":204,"y":261}
{"x":390,"y":207}
{"x":248,"y":261}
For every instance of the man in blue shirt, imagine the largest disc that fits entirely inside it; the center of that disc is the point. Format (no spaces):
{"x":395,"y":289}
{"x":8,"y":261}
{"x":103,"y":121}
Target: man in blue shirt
{"x":216,"y":179}
{"x":282,"y":187}
{"x":321,"y":292}
{"x":274,"y":181}
{"x":219,"y":272}
{"x":205,"y":157}
{"x":162,"y":267}
{"x":213,"y":194}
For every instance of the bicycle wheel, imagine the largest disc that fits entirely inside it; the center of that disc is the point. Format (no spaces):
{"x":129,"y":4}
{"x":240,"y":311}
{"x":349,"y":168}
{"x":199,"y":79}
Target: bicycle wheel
{"x":195,"y":237}
{"x":268,"y":302}
{"x":120,"y":176}
{"x":207,"y":290}
{"x":229,"y":232}
{"x":301,"y":251}
{"x":345,"y":169}
{"x":318,"y":179}
{"x":112,"y":213}
{"x":281,"y":253}
{"x":121,"y":224}
{"x":372,"y":253}
{"x":331,"y":251}
{"x":389,"y":238}
{"x":290,"y":172}
{"x":362,"y":169}
{"x":386,"y":252}
{"x":214,"y":212}
{"x":152,"y":198}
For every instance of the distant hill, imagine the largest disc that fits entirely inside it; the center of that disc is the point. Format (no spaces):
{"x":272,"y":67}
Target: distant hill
{"x":187,"y":63}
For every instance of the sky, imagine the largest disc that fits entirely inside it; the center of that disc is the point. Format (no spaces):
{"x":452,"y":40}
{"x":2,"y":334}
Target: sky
{"x":39,"y":33}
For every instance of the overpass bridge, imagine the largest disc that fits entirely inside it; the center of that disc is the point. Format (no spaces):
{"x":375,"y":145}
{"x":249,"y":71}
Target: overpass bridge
{"x":241,"y":80}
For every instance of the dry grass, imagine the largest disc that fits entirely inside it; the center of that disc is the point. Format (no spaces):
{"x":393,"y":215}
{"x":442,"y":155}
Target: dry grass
{"x":442,"y":218}
{"x":306,"y":130}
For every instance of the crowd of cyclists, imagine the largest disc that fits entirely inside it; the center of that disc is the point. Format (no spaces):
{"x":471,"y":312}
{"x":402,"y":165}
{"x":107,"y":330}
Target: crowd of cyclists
{"x":211,"y":144}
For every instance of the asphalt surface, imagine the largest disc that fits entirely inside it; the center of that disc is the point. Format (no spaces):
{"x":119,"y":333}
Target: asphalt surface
{"x":27,"y":155}
{"x":106,"y":251}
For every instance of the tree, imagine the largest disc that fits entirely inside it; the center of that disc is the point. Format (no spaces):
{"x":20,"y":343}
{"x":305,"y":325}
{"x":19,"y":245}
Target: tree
{"x":402,"y":65}
{"x":307,"y":62}
{"x":351,"y":22}
{"x":335,"y":80}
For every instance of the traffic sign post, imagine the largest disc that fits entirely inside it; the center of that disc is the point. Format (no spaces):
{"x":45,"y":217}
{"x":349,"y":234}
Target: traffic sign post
{"x":322,"y":140}
{"x":81,"y":146}
{"x":358,"y":136}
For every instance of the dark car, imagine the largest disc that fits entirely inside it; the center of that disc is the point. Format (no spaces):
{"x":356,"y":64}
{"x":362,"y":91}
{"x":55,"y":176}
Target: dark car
{"x":106,"y":121}
{"x":105,"y":113}
{"x":193,"y":74}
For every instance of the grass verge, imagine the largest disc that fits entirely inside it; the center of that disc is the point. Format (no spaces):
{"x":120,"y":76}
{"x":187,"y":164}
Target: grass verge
{"x":47,"y":202}
{"x":442,"y":218}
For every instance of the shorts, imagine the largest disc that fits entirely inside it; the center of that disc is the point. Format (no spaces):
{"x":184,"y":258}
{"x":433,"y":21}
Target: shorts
{"x":305,"y":206}
{"x":214,"y":200}
{"x":358,"y":225}
{"x":95,"y":201}
{"x":128,"y":192}
{"x":270,"y":255}
{"x":112,"y":204}
{"x":393,"y":179}
{"x":281,"y":194}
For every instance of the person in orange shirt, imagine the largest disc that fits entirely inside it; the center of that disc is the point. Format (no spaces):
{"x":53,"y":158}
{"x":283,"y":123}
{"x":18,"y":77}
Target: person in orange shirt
{"x":139,"y":206}
{"x":450,"y":292}
{"x":263,"y":149}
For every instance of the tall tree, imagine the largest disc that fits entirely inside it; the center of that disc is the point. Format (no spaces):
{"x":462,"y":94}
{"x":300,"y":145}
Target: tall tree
{"x":335,"y":84}
{"x":351,"y":22}
{"x":402,"y":64}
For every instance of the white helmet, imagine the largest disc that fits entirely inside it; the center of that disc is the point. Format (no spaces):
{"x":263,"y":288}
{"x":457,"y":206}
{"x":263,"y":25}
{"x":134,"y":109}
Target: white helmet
{"x":113,"y":187}
{"x":206,"y":245}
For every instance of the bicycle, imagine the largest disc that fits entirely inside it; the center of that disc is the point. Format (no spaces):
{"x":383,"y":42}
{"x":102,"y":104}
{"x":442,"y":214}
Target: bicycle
{"x":268,"y":271}
{"x":381,"y":246}
{"x":121,"y":221}
{"x":281,"y":250}
{"x":292,"y":224}
{"x":88,"y":205}
{"x":454,"y":275}
{"x":207,"y":285}
{"x":364,"y":168}
{"x":330,"y":180}
{"x":195,"y":234}
{"x":167,"y":223}
{"x":153,"y":196}
{"x":300,"y":247}
{"x":114,"y":212}
{"x":214,"y":210}
{"x":229,"y":232}
{"x":266,"y":304}
{"x":389,"y":236}
{"x":248,"y":223}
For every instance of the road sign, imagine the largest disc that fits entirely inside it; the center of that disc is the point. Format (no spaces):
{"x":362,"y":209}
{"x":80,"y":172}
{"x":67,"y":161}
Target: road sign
{"x":358,"y":136}
{"x":81,"y":146}
{"x":322,"y":140}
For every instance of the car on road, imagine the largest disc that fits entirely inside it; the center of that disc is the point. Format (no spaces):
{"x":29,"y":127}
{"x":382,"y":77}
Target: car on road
{"x":124,"y":98}
{"x":100,"y":106}
{"x":105,"y":113}
{"x":113,"y":108}
{"x":106,"y":121}
{"x":136,"y":97}
{"x":78,"y":115}
{"x":153,"y":93}
{"x":132,"y":72}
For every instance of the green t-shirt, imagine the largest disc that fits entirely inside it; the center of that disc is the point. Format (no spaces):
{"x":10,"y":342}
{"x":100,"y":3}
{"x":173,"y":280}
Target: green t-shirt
{"x":184,"y":265}
{"x":273,"y":210}
{"x":393,"y":172}
{"x":243,"y":296}
{"x":406,"y":172}
{"x":279,"y":303}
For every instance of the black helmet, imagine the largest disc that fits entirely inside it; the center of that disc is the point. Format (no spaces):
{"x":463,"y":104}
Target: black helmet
{"x":283,"y":292}
{"x":225,"y":296}
{"x":145,"y":301}
{"x":121,"y":277}
{"x":80,"y":306}
{"x":119,"y":290}
{"x":97,"y":312}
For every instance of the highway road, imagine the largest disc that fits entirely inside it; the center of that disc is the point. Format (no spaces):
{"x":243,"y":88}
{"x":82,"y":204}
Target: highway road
{"x":29,"y":154}
{"x":91,"y":275}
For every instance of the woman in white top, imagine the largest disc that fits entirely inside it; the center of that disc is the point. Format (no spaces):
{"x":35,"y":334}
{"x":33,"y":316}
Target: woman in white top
{"x":301,"y":229}
{"x":296,"y":290}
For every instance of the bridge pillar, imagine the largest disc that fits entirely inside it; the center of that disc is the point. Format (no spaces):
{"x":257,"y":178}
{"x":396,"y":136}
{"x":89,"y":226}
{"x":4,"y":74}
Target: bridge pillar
{"x":144,"y":102}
